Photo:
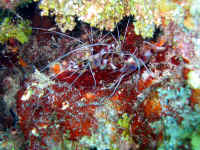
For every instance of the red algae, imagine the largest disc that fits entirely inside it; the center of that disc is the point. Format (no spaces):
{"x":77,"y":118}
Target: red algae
{"x":195,"y":97}
{"x":67,"y":101}
{"x":143,"y":84}
{"x":185,"y":72}
{"x":175,"y":60}
{"x":152,"y":107}
{"x":132,"y":41}
{"x":48,"y":113}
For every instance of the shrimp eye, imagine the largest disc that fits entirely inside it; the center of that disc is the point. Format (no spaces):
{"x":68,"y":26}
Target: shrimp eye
{"x":132,"y":67}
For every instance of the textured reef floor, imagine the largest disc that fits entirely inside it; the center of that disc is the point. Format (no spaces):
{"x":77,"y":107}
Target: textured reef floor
{"x":88,"y":89}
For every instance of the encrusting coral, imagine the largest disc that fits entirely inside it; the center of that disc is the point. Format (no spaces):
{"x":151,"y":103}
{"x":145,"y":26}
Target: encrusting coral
{"x":106,"y":14}
{"x":19,"y":31}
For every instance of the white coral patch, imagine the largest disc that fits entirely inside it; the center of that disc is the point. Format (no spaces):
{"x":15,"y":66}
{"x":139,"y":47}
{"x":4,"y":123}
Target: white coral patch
{"x":43,"y":81}
{"x":194,"y":79}
{"x":65,"y":105}
{"x":27,"y":94}
{"x":34,"y":132}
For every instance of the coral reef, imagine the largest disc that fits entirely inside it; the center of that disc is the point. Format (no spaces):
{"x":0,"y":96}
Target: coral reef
{"x":107,"y":94}
{"x":12,"y":4}
{"x":105,"y":14}
{"x":19,"y":31}
{"x":88,"y":89}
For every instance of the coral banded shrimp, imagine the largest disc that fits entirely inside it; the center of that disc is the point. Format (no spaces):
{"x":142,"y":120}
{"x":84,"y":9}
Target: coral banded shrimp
{"x":103,"y":63}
